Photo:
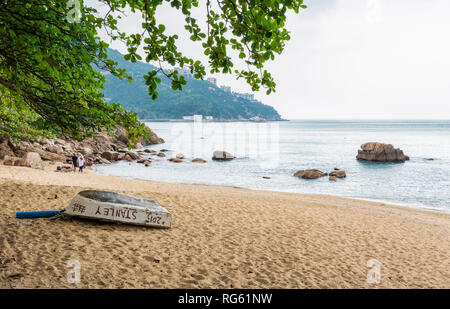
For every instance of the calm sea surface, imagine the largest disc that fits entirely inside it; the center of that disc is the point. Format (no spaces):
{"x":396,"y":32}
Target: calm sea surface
{"x":279,"y":149}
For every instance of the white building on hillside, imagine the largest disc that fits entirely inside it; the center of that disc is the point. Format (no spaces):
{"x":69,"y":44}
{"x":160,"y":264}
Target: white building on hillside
{"x":185,"y":72}
{"x":248,"y":96}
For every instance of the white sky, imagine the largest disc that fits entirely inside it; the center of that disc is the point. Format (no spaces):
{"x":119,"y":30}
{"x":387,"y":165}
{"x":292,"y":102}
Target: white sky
{"x":369,"y":59}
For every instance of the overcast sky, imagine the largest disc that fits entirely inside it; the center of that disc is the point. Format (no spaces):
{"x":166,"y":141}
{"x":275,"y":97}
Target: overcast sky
{"x":381,"y":59}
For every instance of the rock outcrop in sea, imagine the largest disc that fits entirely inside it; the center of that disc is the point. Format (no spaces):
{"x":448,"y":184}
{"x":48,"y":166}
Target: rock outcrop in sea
{"x":381,"y":153}
{"x":310,"y":174}
{"x":219,"y":155}
{"x":338,"y":174}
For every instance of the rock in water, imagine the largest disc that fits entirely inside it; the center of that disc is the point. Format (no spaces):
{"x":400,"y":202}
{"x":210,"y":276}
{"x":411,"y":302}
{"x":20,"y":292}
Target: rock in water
{"x":338,"y":174}
{"x":222,"y":156}
{"x":104,"y":161}
{"x":310,"y":174}
{"x":133,"y":155}
{"x":381,"y":153}
{"x":176,"y":160}
{"x":180,"y":156}
{"x":128,"y":157}
{"x":198,"y":160}
{"x":33,"y":159}
{"x":332,"y":178}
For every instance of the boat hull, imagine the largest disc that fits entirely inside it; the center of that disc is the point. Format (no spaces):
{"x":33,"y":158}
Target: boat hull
{"x":115,"y":207}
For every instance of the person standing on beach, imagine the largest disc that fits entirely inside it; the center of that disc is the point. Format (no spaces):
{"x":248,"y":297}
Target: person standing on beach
{"x":81,"y":163}
{"x":74,"y":162}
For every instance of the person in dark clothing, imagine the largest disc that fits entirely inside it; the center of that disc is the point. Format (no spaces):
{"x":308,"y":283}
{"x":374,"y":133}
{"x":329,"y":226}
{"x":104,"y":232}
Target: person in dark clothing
{"x":75,"y":162}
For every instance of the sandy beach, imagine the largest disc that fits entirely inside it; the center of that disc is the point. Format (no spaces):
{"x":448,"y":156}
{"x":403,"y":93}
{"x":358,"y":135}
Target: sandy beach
{"x":220,"y":237}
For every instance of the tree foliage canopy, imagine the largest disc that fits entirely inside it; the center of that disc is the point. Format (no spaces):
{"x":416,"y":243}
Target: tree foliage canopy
{"x":50,"y":52}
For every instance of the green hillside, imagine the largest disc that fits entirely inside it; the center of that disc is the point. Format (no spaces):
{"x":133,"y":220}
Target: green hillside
{"x":197,"y":97}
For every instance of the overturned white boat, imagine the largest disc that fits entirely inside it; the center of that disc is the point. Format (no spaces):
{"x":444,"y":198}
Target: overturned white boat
{"x":112,"y":206}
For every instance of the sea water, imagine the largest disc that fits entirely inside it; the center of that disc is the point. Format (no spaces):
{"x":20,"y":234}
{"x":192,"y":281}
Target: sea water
{"x":278,"y":149}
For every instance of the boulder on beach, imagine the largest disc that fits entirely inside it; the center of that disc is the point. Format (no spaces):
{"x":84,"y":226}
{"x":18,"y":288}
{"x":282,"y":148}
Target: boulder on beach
{"x":133,"y":155}
{"x":310,"y":174}
{"x":8,"y":160}
{"x":198,"y":160}
{"x":128,"y":157}
{"x":110,"y":155}
{"x":50,"y":156}
{"x":59,"y":141}
{"x":381,"y":153}
{"x":6,"y":147}
{"x":222,"y":156}
{"x":87,"y":151}
{"x":103,"y":161}
{"x":61,"y":149}
{"x":55,"y":149}
{"x":33,"y":160}
{"x":20,"y":162}
{"x":338,"y":174}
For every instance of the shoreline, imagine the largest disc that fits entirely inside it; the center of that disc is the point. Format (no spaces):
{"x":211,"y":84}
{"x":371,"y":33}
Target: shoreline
{"x":212,"y":121}
{"x":221,"y":237}
{"x":375,"y":200}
